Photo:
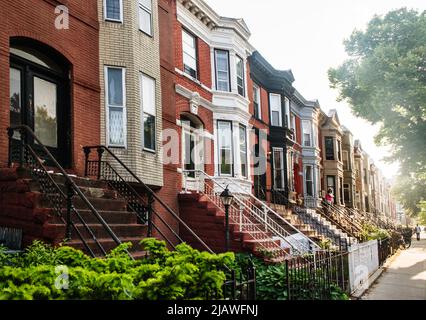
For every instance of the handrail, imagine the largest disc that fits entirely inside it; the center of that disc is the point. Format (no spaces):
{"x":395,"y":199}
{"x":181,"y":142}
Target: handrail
{"x":345,"y":215}
{"x":265,"y":206}
{"x":338,"y":223}
{"x":69,"y":181}
{"x":150,"y":193}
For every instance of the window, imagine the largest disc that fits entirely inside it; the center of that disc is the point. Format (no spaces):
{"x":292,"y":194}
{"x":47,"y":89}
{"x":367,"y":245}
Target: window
{"x":145,"y":16}
{"x":331,"y":184}
{"x":307,"y":133}
{"x":114,"y":10}
{"x":257,"y":102}
{"x":278,"y":159}
{"x":222,"y":70}
{"x":309,"y":181}
{"x":276,"y":115}
{"x":116,"y":106}
{"x":365,"y":176}
{"x":149,"y":112}
{"x":225,"y":147}
{"x":341,"y":191}
{"x":329,"y":148}
{"x":243,"y":151}
{"x":190,"y":63}
{"x":345,"y":160}
{"x":240,"y":77}
{"x":287,"y":112}
{"x":346,"y":192}
{"x":339,"y":150}
{"x":293,"y":123}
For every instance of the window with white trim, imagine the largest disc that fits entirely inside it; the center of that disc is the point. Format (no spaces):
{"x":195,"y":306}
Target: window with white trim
{"x":276,"y":111}
{"x":307,"y":133}
{"x":240,"y":77}
{"x":345,"y":160}
{"x":113,"y":10}
{"x":225,"y":148}
{"x":309,"y":182}
{"x":189,"y":44}
{"x":243,"y":151}
{"x":148,"y":112}
{"x":116,"y":106}
{"x":278,"y":158}
{"x":293,"y":123}
{"x":287,"y":112}
{"x":145,"y":16}
{"x":257,"y":102}
{"x":222,"y":70}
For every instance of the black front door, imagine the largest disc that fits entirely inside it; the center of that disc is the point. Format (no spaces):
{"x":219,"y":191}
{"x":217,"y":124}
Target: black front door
{"x":38,"y":100}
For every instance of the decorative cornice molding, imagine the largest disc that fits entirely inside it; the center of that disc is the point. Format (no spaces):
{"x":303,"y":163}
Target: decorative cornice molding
{"x":184,"y":92}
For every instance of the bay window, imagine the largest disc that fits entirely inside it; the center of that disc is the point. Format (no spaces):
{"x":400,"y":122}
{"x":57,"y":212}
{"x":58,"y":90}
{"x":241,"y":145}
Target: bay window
{"x":276,"y":111}
{"x":190,"y":63}
{"x":116,"y":106}
{"x":222,"y":70}
{"x":287,"y":111}
{"x":293,"y":124}
{"x":243,"y":151}
{"x":345,"y":160}
{"x":148,"y":112}
{"x":240,"y":77}
{"x":145,"y":16}
{"x":225,"y":147}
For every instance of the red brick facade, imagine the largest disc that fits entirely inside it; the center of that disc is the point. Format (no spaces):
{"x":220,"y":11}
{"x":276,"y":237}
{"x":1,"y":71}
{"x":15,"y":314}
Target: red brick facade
{"x":35,"y":19}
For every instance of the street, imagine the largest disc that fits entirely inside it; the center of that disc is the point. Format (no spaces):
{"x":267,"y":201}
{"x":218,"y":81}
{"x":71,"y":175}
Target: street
{"x":405,"y":276}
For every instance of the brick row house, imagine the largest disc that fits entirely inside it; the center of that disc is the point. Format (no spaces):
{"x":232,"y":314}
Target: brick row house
{"x":145,"y":112}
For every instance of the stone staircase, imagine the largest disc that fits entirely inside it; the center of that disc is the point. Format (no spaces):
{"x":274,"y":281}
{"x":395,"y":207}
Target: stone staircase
{"x":314,"y":225}
{"x":208,"y":221}
{"x":23,"y":206}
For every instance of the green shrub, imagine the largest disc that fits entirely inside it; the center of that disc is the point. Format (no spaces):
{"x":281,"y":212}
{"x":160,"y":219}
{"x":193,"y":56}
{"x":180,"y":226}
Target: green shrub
{"x":164,"y":275}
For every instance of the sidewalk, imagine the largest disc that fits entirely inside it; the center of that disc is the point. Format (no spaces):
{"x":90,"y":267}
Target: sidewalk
{"x":405,"y":277}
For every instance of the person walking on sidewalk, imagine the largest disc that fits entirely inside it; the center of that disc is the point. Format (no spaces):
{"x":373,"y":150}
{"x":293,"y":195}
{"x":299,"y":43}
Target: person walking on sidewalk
{"x":418,"y":232}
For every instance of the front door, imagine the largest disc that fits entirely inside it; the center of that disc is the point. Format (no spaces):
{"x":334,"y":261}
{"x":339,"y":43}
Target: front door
{"x":37,"y":99}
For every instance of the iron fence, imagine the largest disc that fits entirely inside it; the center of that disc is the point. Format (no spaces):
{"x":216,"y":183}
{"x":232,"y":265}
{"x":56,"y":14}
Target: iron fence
{"x":320,"y":276}
{"x":387,"y":248}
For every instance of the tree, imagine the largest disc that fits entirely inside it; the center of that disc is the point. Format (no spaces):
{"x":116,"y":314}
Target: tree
{"x":384,"y":82}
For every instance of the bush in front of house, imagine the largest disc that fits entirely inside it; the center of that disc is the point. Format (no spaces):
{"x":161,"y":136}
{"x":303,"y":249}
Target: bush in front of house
{"x":46,"y":273}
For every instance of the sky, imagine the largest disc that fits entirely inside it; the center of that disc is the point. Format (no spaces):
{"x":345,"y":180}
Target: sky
{"x":307,"y":36}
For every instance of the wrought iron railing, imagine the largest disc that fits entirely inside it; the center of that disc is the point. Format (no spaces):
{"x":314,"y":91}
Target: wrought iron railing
{"x":260,"y":212}
{"x":120,"y":178}
{"x":32,"y":159}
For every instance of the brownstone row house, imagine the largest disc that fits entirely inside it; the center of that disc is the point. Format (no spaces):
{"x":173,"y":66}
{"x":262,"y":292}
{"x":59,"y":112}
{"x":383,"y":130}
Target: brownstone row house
{"x":137,"y":115}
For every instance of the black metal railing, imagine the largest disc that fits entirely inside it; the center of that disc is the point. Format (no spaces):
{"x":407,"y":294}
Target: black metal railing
{"x":387,"y":248}
{"x":320,"y":276}
{"x":241,"y":285}
{"x":32,"y":157}
{"x":119,"y":177}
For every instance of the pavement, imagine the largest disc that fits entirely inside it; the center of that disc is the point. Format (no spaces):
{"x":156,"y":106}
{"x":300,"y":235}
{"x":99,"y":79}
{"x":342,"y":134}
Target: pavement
{"x":404,"y":277}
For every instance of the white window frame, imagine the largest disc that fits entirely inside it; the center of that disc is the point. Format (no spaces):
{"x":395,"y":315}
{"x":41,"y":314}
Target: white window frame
{"x":111,"y":19}
{"x":217,"y":70}
{"x":108,"y":106}
{"x":345,"y":156}
{"x":282,"y":169}
{"x":184,"y":31}
{"x":311,"y":181}
{"x":243,"y":78}
{"x":243,"y":127}
{"x":143,"y":112}
{"x":274,"y":109}
{"x":293,"y":123}
{"x":141,"y":6}
{"x":307,"y":124}
{"x":287,"y":111}
{"x":219,"y":145}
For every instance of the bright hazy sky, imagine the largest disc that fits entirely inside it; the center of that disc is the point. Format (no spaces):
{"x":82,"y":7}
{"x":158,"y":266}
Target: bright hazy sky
{"x":307,"y":36}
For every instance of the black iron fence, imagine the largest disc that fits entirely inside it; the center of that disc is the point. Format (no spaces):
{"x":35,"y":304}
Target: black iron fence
{"x":321,"y":276}
{"x":387,"y":248}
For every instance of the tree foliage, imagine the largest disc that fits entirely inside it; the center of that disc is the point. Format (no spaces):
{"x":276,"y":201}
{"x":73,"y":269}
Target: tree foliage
{"x":384,"y":81}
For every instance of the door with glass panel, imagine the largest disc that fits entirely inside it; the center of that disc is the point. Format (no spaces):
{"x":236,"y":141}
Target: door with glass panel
{"x":192,"y":154}
{"x":37,"y":100}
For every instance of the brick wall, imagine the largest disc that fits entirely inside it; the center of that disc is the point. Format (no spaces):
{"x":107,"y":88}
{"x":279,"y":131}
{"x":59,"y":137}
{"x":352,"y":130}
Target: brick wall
{"x":35,"y":19}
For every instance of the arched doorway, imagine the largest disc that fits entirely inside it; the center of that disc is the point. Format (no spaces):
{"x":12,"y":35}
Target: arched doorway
{"x":40,"y":96}
{"x":192,"y":148}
